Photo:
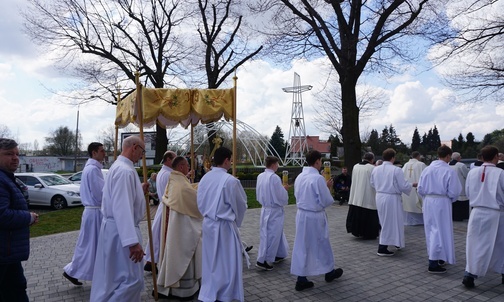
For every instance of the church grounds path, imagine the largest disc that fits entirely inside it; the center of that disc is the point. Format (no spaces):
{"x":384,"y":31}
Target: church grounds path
{"x":366,"y":276}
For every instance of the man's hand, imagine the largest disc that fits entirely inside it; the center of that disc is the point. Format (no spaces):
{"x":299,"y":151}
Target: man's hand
{"x":330,"y":183}
{"x":136,"y":253}
{"x":34,"y":218}
{"x":145,"y":187}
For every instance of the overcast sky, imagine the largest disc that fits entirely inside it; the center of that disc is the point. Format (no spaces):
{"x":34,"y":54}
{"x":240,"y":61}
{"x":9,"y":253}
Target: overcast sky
{"x":415,"y":99}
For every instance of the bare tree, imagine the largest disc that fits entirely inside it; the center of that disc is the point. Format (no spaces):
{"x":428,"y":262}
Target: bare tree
{"x":108,"y":40}
{"x":470,"y":56}
{"x":329,"y":106}
{"x":61,"y":141}
{"x":225,"y":44}
{"x":5,"y":131}
{"x":356,"y":36}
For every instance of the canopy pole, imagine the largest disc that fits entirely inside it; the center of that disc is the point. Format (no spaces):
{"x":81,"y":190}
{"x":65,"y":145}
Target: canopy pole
{"x":115,"y":141}
{"x":116,"y":134}
{"x":193,"y":174}
{"x":235,"y":78}
{"x":139,"y":104}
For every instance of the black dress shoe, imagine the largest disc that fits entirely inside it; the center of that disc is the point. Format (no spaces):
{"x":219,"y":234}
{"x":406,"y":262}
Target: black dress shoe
{"x":148,"y":267}
{"x":437,"y":270}
{"x":303,"y":285}
{"x":72,"y":279}
{"x":468,"y":282}
{"x":278,"y":259}
{"x":334,"y":274}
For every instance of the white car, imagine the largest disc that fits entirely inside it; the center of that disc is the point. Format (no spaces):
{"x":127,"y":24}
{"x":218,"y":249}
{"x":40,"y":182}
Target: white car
{"x":49,"y":189}
{"x":77,"y":177}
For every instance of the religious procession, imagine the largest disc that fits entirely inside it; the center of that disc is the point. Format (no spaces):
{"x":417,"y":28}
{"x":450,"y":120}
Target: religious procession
{"x":370,"y":231}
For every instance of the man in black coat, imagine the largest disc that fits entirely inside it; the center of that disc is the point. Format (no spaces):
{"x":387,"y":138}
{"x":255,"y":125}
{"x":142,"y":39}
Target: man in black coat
{"x":341,"y":186}
{"x":15,"y":221}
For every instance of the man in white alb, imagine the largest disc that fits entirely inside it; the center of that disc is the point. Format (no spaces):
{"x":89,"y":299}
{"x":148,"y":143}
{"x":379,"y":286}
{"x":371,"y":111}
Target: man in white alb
{"x":389,"y":183}
{"x":118,"y":274}
{"x":412,"y":203}
{"x":222,"y":202}
{"x":91,"y":190}
{"x":439,"y":186}
{"x":161,"y":182}
{"x":272,"y":195}
{"x":485,"y":230}
{"x":312,"y":253}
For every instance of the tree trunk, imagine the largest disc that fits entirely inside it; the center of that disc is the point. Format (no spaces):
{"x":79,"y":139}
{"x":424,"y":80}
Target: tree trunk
{"x":350,"y":131}
{"x":161,"y":143}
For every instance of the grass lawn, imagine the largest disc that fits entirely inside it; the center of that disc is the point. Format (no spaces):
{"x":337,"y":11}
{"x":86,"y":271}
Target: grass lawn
{"x":54,"y":222}
{"x":69,"y":219}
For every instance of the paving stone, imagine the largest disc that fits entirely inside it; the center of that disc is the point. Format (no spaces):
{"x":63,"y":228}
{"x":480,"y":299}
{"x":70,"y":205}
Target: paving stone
{"x":366,"y":276}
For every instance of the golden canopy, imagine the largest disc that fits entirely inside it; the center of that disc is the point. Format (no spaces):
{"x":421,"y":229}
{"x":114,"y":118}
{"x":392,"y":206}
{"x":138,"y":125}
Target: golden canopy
{"x":172,"y":107}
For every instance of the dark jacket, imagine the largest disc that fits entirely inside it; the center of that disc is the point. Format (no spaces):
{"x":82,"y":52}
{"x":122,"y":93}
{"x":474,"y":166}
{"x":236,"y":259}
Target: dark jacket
{"x":14,"y":221}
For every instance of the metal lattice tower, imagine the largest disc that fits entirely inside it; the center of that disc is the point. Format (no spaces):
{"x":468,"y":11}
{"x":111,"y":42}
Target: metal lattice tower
{"x":298,"y":146}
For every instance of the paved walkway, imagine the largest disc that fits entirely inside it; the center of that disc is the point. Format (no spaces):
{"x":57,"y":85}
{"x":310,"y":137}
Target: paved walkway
{"x":366,"y":276}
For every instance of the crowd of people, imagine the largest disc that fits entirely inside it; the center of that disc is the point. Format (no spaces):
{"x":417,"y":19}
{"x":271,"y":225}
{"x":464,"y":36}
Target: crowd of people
{"x":197,"y":249}
{"x":383,"y":199}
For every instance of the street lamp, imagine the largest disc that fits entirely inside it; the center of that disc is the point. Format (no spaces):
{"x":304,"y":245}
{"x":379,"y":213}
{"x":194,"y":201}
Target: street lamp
{"x":76,"y":140}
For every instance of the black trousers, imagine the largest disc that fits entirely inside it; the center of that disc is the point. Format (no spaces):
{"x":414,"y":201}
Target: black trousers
{"x":12,"y":283}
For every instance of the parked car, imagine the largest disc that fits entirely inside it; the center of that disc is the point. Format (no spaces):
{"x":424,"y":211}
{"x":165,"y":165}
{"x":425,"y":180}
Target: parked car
{"x":24,"y":190}
{"x":49,"y":189}
{"x":76,"y":177}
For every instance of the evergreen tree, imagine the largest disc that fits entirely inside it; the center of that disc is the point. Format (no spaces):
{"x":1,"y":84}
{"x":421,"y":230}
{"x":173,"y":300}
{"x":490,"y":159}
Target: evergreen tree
{"x":415,"y":141}
{"x":470,"y":139}
{"x":461,"y":143}
{"x":436,"y":140}
{"x":471,"y":150}
{"x":374,"y":142}
{"x":277,"y":142}
{"x":455,"y":145}
{"x":335,"y":143}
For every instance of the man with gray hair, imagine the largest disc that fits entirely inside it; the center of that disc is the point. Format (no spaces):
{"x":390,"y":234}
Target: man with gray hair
{"x":118,"y":274}
{"x":460,"y":208}
{"x":500,"y":163}
{"x":362,"y":219}
{"x":15,"y":222}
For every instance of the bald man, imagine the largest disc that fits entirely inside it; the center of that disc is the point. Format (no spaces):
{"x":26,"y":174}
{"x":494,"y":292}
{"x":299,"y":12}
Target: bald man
{"x":118,"y":274}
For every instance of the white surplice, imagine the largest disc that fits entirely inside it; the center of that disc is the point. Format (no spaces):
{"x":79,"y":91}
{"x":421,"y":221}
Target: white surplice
{"x":362,"y":194}
{"x":91,"y":190}
{"x":161,"y":182}
{"x":412,"y":202}
{"x":439,"y":186}
{"x":273,"y":197}
{"x":462,"y":170}
{"x":222,"y":202}
{"x":389,"y":183}
{"x":312,"y":253}
{"x":485,"y":230}
{"x":116,"y":277}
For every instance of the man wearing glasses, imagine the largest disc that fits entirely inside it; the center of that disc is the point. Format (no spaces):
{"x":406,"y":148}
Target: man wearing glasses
{"x":118,"y":271}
